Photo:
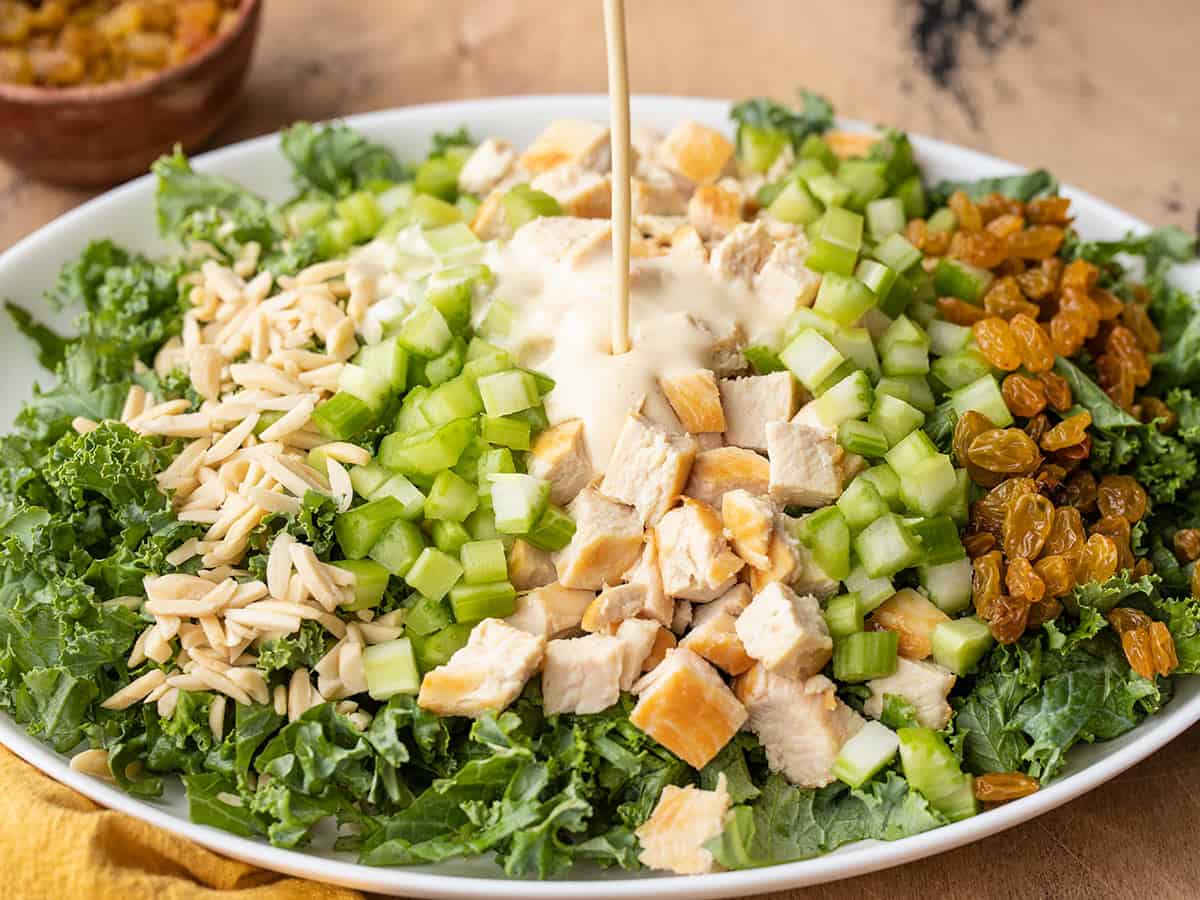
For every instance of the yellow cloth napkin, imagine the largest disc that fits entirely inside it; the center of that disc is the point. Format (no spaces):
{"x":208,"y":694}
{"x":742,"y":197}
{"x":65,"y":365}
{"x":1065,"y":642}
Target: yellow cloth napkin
{"x":56,"y":844}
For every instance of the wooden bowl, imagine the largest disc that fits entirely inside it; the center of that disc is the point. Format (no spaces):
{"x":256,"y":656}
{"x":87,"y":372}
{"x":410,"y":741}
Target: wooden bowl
{"x":98,"y":135}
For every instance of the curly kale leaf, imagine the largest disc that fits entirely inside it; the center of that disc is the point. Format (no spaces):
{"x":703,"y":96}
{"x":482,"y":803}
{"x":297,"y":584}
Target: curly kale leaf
{"x":815,"y":116}
{"x":336,"y":160}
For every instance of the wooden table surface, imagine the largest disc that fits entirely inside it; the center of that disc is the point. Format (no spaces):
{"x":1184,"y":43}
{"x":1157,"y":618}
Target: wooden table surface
{"x":1095,"y":90}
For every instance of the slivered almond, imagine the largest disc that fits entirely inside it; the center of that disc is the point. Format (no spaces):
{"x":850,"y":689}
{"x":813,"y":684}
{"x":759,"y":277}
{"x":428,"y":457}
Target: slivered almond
{"x":260,"y":375}
{"x":315,"y":578}
{"x":293,"y":420}
{"x":135,"y":690}
{"x":228,"y":443}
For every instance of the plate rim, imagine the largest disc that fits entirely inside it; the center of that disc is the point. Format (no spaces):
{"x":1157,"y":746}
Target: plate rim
{"x":848,"y":862}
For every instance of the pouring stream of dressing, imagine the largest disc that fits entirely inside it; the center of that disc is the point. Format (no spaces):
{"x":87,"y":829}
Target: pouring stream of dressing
{"x":618,"y":99}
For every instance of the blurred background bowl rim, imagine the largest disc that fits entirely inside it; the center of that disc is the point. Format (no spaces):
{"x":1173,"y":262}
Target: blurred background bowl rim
{"x":129,"y":89}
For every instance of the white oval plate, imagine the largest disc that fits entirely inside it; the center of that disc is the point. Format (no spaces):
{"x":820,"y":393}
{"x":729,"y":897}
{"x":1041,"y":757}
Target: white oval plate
{"x":125,"y":215}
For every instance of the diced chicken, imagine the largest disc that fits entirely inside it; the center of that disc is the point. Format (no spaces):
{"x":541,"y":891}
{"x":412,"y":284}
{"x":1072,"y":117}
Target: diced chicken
{"x":713,"y":635}
{"x":569,"y":141}
{"x":725,"y":355}
{"x":923,"y":684}
{"x":550,"y":611}
{"x":614,"y":605}
{"x":785,"y":632}
{"x":809,"y":577}
{"x":715,"y":211}
{"x":782,"y":562}
{"x":686,"y":244}
{"x":694,"y":557}
{"x":648,"y":468}
{"x":808,"y":465}
{"x":718,"y":471}
{"x":644,"y":141}
{"x":699,"y":154}
{"x":664,"y":641}
{"x":709,"y":440}
{"x":606,"y":543}
{"x":581,"y":675}
{"x":742,"y":252}
{"x":683,"y":820}
{"x":681,"y":616}
{"x":784,"y":283}
{"x":695,"y":399}
{"x":637,"y":637}
{"x":913,"y":617}
{"x":579,"y":191}
{"x":658,"y":227}
{"x":487,"y":166}
{"x":655,"y":191}
{"x":749,"y":523}
{"x":486,"y":675}
{"x":562,"y":238}
{"x":685,"y":706}
{"x":647,"y":576}
{"x":750,"y":403}
{"x":801,"y":723}
{"x":489,"y":222}
{"x":560,"y":455}
{"x":529,"y":567}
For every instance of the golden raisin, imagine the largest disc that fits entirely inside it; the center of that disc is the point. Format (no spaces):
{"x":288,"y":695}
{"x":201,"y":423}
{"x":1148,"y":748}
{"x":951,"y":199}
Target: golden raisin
{"x":1058,"y":391}
{"x":1195,"y":584}
{"x":1048,"y":210}
{"x":1081,"y":308}
{"x":1080,"y":275}
{"x":1005,"y":225}
{"x":1036,"y":242}
{"x":1120,"y":495}
{"x":1057,"y":574}
{"x":1080,"y":491}
{"x":1049,"y":478}
{"x":990,"y":511}
{"x":1098,"y":561}
{"x":959,"y":311}
{"x":969,"y":426}
{"x":978,"y":543}
{"x":1136,"y":318}
{"x":1109,"y":304}
{"x":1187,"y":544}
{"x":995,"y":204}
{"x":978,"y":248}
{"x":1123,"y":344}
{"x":1037,"y":350}
{"x":1067,"y":433}
{"x":1066,"y":537}
{"x":986,"y":581}
{"x":1045,"y":610}
{"x":996,"y":342}
{"x":1023,"y":582}
{"x":1142,"y":568}
{"x":1067,"y":333}
{"x":1117,"y":529}
{"x":1008,"y":619}
{"x":1124,"y":618}
{"x":1004,"y":299}
{"x":1001,"y":787}
{"x":1007,"y":450}
{"x":1027,"y":526}
{"x":1116,"y":378}
{"x":1037,"y":426}
{"x":1166,"y":660}
{"x":1154,"y":410}
{"x":965,"y":211}
{"x":1139,"y":652}
{"x":1035,"y":284}
{"x":1024,"y":396}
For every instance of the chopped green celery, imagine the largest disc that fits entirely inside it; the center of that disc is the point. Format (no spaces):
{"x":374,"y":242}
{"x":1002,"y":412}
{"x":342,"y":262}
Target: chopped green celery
{"x":481,"y":525}
{"x":811,"y":358}
{"x":843,"y":298}
{"x":946,"y":337}
{"x":486,"y":365}
{"x":843,"y":616}
{"x":827,"y":536}
{"x":862,"y":438}
{"x":269,"y":417}
{"x":885,"y":217}
{"x":505,"y":432}
{"x":763,"y":360}
{"x":449,"y":537}
{"x":437,"y":176}
{"x":959,"y":507}
{"x":895,"y":418}
{"x":468,"y":463}
{"x":899,"y":297}
{"x":895,"y":252}
{"x":427,"y":452}
{"x":759,"y":147}
{"x":878,"y":278}
{"x":366,"y":479}
{"x":411,"y":418}
{"x":959,"y":369}
{"x":436,"y":649}
{"x":457,"y":398}
{"x":866,"y":754}
{"x":478,"y":348}
{"x":886,"y":482}
{"x":390,"y":668}
{"x":928,"y":487}
{"x":398,"y":547}
{"x":545,"y":384}
{"x":454,"y":243}
{"x":386,"y":360}
{"x":395,"y":197}
{"x":814,"y":147}
{"x":770,"y":190}
{"x":433,"y":573}
{"x":939,"y":540}
{"x":948,"y":585}
{"x":905,"y":358}
{"x":829,"y":190}
{"x":432,"y":212}
{"x":407,"y":494}
{"x":363,"y":214}
{"x":370,"y":582}
{"x":795,"y":204}
{"x":902,"y":330}
{"x":838,"y":375}
{"x":912,"y":449}
{"x":982,"y":395}
{"x":497,"y":321}
{"x":922,"y":311}
{"x":518,"y":501}
{"x":553,"y":530}
{"x":476,"y":602}
{"x":806,"y":318}
{"x":425,"y":332}
{"x":467,"y":206}
{"x":871,"y":591}
{"x":960,"y":645}
{"x":335,"y":237}
{"x":942,"y":219}
{"x":523,"y":204}
{"x":954,"y":278}
{"x":508,"y":392}
{"x":865,"y":655}
{"x":535,"y":416}
{"x":861,"y":504}
{"x":490,"y":461}
{"x":307,"y":215}
{"x":452,"y":498}
{"x":483,"y":561}
{"x":912,"y":194}
{"x":865,"y":178}
{"x":837,"y":240}
{"x":856,"y":345}
{"x":371,"y":388}
{"x":342,"y":417}
{"x":932,"y":768}
{"x":850,"y":398}
{"x":453,"y":301}
{"x":912,"y":389}
{"x":886,"y":546}
{"x":359,"y":528}
{"x":427,"y":616}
